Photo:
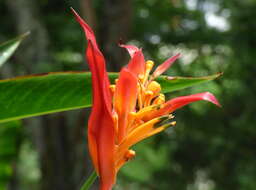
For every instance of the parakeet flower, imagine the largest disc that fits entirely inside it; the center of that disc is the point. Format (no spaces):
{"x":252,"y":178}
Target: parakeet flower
{"x":128,"y":111}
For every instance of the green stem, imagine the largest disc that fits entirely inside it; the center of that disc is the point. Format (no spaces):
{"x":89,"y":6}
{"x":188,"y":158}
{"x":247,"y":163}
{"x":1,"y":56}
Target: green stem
{"x":87,"y":184}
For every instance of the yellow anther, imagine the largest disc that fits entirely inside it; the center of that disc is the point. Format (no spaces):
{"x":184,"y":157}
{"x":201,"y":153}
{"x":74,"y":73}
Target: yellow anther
{"x":154,"y":87}
{"x":149,"y":93}
{"x":153,"y":90}
{"x":116,"y":80}
{"x":162,"y":96}
{"x":112,"y":88}
{"x":131,"y":119}
{"x":115,"y":119}
{"x":140,"y":88}
{"x":130,"y":154}
{"x":148,"y":97}
{"x":141,"y":76}
{"x":173,"y":123}
{"x":171,"y":117}
{"x":149,"y":65}
{"x":132,"y":114}
{"x":123,"y":156}
{"x":160,"y":99}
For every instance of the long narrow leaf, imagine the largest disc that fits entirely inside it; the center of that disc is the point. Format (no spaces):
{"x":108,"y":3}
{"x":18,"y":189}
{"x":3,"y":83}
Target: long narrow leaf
{"x":34,"y":95}
{"x":170,"y":84}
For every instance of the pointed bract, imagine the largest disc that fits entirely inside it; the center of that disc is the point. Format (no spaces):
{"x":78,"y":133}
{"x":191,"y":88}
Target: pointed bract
{"x":130,"y":48}
{"x":101,"y":134}
{"x":164,"y":66}
{"x":88,"y":31}
{"x":137,"y":64}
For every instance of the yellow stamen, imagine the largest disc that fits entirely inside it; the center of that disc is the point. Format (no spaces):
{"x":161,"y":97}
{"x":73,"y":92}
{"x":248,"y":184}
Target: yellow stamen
{"x":148,"y":97}
{"x":141,"y":77}
{"x":140,"y":95}
{"x":160,"y":99}
{"x":155,"y":87}
{"x":131,"y":119}
{"x":149,"y":66}
{"x":149,"y":93}
{"x":160,"y":129}
{"x":130,"y":154}
{"x":115,"y":119}
{"x":141,"y":113}
{"x":112,"y":88}
{"x":143,"y":131}
{"x":153,"y":90}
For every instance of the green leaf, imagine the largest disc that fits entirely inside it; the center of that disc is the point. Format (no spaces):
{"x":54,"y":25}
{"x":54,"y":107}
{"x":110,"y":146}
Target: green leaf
{"x":9,"y":47}
{"x":40,"y":94}
{"x":170,"y":84}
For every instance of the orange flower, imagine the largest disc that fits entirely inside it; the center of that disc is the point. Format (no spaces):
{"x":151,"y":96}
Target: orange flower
{"x":126,"y":112}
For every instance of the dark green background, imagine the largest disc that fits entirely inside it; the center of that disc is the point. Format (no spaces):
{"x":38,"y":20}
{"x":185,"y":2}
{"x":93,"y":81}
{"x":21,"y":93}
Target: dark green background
{"x":209,"y":149}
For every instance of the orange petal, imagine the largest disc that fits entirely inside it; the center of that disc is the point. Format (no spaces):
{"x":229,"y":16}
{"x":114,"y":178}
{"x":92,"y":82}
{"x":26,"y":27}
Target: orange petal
{"x":125,"y":98}
{"x":137,"y":64}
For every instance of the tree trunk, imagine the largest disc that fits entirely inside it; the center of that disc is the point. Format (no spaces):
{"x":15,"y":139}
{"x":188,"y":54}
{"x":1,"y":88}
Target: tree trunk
{"x":34,"y":53}
{"x":52,"y":134}
{"x":115,"y":25}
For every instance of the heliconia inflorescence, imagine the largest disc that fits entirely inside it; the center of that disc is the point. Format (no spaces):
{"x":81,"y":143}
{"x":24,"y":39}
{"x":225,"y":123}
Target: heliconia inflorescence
{"x":128,"y":111}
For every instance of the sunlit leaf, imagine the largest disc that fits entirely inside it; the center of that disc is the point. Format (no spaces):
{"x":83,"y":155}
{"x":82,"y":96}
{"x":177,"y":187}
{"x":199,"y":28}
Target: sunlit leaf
{"x":41,"y":94}
{"x":9,"y":47}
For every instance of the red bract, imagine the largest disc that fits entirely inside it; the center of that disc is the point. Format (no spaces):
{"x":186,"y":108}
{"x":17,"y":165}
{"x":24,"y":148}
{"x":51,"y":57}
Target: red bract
{"x":129,"y":111}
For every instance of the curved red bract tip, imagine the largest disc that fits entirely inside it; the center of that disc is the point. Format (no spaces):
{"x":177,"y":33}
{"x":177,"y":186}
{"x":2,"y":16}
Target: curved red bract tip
{"x":184,"y":100}
{"x":87,"y":29}
{"x":181,"y":101}
{"x":137,"y":64}
{"x":165,"y":65}
{"x":130,"y":48}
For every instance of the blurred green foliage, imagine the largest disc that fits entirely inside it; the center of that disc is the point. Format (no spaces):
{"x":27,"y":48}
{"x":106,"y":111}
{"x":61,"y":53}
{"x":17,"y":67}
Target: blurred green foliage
{"x":210,"y":148}
{"x":10,"y":134}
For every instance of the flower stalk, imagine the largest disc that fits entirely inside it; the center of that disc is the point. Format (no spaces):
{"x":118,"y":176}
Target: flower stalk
{"x":88,"y":183}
